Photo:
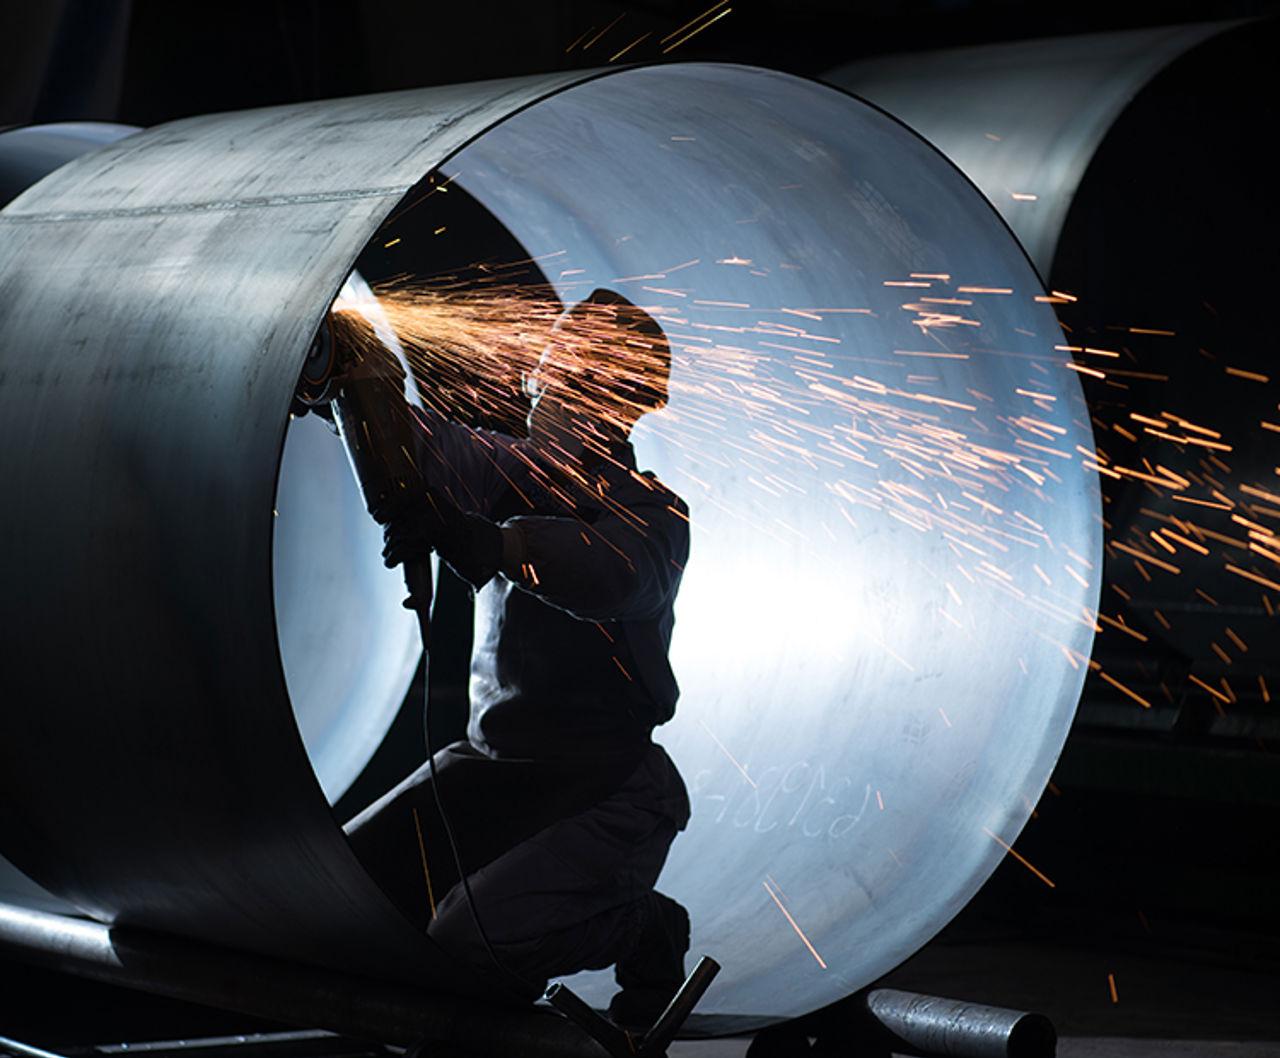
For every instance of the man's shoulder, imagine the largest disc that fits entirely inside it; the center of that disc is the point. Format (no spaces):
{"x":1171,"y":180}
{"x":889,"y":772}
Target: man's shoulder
{"x":673,"y":498}
{"x":660,"y":507}
{"x":647,"y":483}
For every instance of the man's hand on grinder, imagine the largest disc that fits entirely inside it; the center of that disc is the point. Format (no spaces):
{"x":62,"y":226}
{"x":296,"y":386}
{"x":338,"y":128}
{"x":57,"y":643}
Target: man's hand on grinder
{"x":430,"y":521}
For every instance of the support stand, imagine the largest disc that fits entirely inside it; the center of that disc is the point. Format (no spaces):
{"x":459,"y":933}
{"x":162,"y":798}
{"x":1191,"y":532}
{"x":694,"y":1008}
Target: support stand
{"x":653,"y":1044}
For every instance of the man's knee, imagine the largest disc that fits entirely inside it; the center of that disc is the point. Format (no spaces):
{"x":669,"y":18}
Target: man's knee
{"x":526,"y":946}
{"x":495,"y":955}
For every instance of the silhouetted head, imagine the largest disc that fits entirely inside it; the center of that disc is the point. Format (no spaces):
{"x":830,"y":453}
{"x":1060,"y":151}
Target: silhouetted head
{"x":606,"y":363}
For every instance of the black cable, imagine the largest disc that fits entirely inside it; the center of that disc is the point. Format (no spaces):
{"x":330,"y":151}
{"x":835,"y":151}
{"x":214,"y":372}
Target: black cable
{"x":422,"y":607}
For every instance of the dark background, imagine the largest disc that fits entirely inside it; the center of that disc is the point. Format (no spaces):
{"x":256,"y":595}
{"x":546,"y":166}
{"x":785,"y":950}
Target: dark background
{"x":147,"y":61}
{"x":1161,"y":845}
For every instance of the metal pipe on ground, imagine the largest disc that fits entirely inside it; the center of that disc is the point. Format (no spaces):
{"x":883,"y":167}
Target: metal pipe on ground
{"x":286,"y":992}
{"x":911,"y":1023}
{"x":24,"y":1050}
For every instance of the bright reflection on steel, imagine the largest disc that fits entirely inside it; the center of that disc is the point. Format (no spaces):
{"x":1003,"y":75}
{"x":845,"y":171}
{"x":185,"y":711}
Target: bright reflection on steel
{"x":348,"y":647}
{"x":880,"y":447}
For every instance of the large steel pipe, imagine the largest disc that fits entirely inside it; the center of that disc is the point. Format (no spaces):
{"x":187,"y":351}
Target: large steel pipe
{"x":30,"y":153}
{"x":895,"y":541}
{"x":263,"y":987}
{"x":27,"y":155}
{"x":1131,"y":168}
{"x":342,"y":638}
{"x":1023,"y":120}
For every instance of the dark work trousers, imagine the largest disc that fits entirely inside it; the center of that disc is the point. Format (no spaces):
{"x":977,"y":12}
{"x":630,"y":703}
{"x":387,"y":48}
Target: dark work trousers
{"x":559,"y":856}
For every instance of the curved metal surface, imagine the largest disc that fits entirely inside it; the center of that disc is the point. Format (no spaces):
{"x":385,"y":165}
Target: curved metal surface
{"x":282,"y":991}
{"x":1023,"y":119}
{"x":922,"y":1024}
{"x":348,"y":647}
{"x":159,"y":297}
{"x":30,"y":153}
{"x":27,"y":155}
{"x":893,"y":539}
{"x":873,"y":682}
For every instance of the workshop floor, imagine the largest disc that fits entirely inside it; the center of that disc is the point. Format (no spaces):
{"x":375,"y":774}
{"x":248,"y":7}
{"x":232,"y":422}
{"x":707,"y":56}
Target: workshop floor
{"x":1178,"y":996}
{"x":1179,"y":992}
{"x":1068,"y":1047}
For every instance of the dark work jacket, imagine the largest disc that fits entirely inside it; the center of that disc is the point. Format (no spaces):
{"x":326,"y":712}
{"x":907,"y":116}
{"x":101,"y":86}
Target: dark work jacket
{"x":570,"y":656}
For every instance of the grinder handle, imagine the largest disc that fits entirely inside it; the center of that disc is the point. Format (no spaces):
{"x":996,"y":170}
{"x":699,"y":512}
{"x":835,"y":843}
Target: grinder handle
{"x":417,"y":578}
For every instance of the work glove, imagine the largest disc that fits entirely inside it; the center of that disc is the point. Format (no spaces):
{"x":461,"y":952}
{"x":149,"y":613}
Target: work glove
{"x":470,"y":543}
{"x":298,"y":409}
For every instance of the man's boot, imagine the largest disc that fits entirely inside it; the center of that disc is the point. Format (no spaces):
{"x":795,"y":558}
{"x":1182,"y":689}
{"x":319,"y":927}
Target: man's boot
{"x":654,"y":969}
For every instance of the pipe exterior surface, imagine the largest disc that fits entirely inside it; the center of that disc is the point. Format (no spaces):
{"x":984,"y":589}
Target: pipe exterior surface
{"x":894,"y":541}
{"x":30,"y":153}
{"x":343,"y":638}
{"x":932,"y":1025}
{"x":27,"y":155}
{"x":24,"y":1050}
{"x":1023,"y":118}
{"x":159,"y":297}
{"x":267,"y":988}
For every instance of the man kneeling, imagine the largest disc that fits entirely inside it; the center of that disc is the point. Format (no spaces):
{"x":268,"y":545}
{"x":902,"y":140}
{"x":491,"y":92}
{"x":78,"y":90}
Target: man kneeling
{"x":562,"y":807}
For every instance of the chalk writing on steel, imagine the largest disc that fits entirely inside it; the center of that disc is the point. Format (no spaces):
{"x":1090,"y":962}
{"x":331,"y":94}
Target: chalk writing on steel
{"x":802,"y":797}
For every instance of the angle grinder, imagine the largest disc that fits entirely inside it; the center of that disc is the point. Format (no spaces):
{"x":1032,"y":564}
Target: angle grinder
{"x":365,"y":390}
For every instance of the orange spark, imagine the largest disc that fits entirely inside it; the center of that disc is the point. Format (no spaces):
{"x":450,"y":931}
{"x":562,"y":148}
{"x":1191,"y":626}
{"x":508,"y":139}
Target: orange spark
{"x":697,"y":29}
{"x":799,"y":932}
{"x":1256,"y":578}
{"x":1252,"y":376}
{"x":1204,"y":686}
{"x":422,"y":849}
{"x":1019,"y":857}
{"x":1125,"y":690}
{"x":732,"y":759}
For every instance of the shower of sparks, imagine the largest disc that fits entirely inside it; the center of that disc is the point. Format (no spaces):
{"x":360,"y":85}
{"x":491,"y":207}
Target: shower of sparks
{"x":776,"y":898}
{"x":781,"y":397}
{"x":774,"y":396}
{"x":668,"y":42}
{"x":478,"y":345}
{"x":695,"y":26}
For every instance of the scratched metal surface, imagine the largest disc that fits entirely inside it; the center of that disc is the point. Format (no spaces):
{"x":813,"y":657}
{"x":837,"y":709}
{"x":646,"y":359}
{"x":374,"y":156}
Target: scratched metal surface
{"x":158,"y":298}
{"x":1023,"y":118}
{"x":343,"y":638}
{"x":27,"y":155}
{"x":895,"y":540}
{"x":893,"y":535}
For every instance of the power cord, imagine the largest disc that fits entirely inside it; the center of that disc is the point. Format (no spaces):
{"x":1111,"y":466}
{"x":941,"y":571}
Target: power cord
{"x":416,"y":580}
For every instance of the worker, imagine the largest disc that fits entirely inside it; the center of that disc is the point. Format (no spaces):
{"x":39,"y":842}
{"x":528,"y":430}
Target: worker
{"x":562,"y":807}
